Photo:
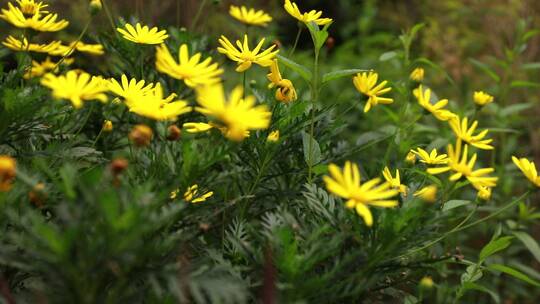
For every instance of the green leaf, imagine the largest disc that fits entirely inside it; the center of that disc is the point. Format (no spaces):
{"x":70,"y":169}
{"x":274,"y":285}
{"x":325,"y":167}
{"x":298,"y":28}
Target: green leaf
{"x":473,"y":273}
{"x":531,"y":66}
{"x":315,"y":150}
{"x":478,"y":287}
{"x":387,"y":56}
{"x":454,"y":204}
{"x":513,"y":272}
{"x":318,"y":36}
{"x":529,"y":242}
{"x":486,"y":69}
{"x":340,"y":74}
{"x":495,"y":246}
{"x":300,"y":69}
{"x":515,"y":108}
{"x":524,"y":84}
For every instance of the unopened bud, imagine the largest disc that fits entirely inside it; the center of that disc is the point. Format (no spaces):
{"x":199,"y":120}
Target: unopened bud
{"x":95,"y":6}
{"x":173,"y":133}
{"x":141,"y":135}
{"x":118,"y":165}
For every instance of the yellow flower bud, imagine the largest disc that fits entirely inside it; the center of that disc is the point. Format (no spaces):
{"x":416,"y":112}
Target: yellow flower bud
{"x":417,"y":75}
{"x":428,"y":194}
{"x":141,"y":135}
{"x":95,"y":6}
{"x":481,"y":98}
{"x":426,"y":282}
{"x":410,"y":158}
{"x":484,"y":193}
{"x":8,"y":166}
{"x":107,"y":126}
{"x":273,"y":136}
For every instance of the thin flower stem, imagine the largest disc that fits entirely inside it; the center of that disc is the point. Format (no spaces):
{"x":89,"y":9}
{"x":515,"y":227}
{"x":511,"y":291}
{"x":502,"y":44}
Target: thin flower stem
{"x":198,"y":15}
{"x":314,"y":99}
{"x":97,"y":137}
{"x":74,"y":44}
{"x":109,"y":15}
{"x":291,"y":52}
{"x":244,"y":82}
{"x":461,"y":226}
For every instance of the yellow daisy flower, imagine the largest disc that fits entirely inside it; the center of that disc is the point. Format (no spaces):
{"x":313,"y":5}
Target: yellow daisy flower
{"x":481,"y":98}
{"x":31,"y":7}
{"x":76,"y":87}
{"x":366,"y":83}
{"x":244,"y":56}
{"x":437,"y":109}
{"x":193,"y":196}
{"x":311,"y":16}
{"x":196,"y":127}
{"x":347,"y":184}
{"x":130,"y":89}
{"x":395,"y":182}
{"x":432,"y":158}
{"x":15,"y":44}
{"x":39,"y":69}
{"x":154,"y":106}
{"x":143,"y":34}
{"x":273,"y":136}
{"x":428,"y":193}
{"x":285,"y":91}
{"x":8,"y":171}
{"x":238,"y":115}
{"x":189,"y":69}
{"x":250,"y":16}
{"x":528,"y":168}
{"x":465,"y":133}
{"x":417,"y":75}
{"x":36,"y":21}
{"x":459,"y":162}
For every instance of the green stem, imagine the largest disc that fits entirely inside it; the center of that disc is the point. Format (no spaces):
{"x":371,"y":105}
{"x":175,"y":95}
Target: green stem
{"x":244,"y":84}
{"x":109,"y":15}
{"x":296,"y":41}
{"x":74,"y":44}
{"x":314,"y":98}
{"x":97,"y":137}
{"x":199,"y":11}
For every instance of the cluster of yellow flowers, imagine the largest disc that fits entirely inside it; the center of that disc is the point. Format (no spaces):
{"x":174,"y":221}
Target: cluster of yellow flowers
{"x":459,"y":161}
{"x":31,"y":15}
{"x":236,"y":114}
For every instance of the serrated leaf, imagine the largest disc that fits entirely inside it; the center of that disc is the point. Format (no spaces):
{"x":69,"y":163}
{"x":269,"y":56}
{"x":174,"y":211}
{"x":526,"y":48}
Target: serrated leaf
{"x":513,"y":272}
{"x":340,"y":74}
{"x":529,"y":242}
{"x":495,"y":246}
{"x":304,"y":72}
{"x":315,"y":156}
